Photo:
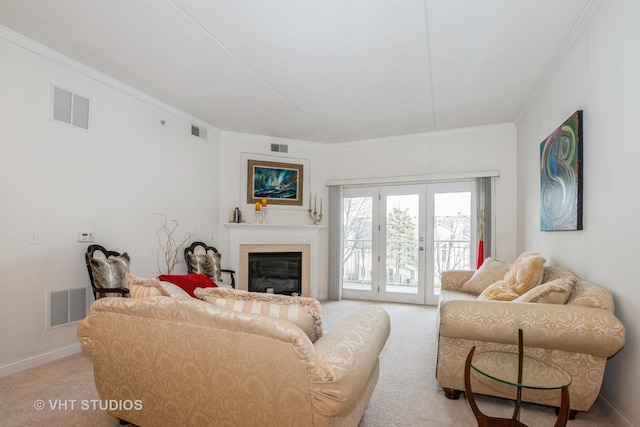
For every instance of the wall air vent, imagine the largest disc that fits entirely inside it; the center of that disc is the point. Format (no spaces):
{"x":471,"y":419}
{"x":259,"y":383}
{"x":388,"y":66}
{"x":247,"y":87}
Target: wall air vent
{"x":279,"y":148}
{"x":66,"y":306}
{"x":70,"y":109}
{"x":199,"y":132}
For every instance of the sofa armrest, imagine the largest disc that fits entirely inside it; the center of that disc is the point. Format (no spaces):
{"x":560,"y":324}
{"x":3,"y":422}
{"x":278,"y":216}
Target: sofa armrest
{"x":568,"y":328}
{"x":346,"y":357}
{"x":453,"y":280}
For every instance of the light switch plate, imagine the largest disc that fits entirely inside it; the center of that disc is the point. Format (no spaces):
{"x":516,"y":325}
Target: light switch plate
{"x":85,"y":236}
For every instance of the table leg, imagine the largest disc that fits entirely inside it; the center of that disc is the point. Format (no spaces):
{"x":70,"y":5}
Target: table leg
{"x":563,"y":414}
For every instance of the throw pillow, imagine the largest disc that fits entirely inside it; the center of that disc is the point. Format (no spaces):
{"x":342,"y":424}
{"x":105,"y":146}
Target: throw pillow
{"x":498,"y":291}
{"x":188,"y":282}
{"x":207,"y":264}
{"x":173,"y":290}
{"x":141,"y":287}
{"x":489,"y":272}
{"x":304,"y":312}
{"x":554,"y":292}
{"x":525,"y":273}
{"x":111,"y":272}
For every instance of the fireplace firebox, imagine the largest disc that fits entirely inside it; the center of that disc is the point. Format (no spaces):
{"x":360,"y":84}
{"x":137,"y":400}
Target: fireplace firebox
{"x":280,"y":271}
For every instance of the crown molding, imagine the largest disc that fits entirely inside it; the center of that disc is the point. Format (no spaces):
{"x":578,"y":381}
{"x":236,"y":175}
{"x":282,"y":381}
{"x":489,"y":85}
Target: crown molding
{"x":57,"y":57}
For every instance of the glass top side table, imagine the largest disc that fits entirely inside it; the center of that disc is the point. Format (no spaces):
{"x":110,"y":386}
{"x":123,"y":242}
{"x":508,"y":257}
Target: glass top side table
{"x":519,"y":371}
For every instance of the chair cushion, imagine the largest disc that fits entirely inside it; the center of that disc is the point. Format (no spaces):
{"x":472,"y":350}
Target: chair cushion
{"x":188,"y":282}
{"x":207,"y":264}
{"x":110,"y":273}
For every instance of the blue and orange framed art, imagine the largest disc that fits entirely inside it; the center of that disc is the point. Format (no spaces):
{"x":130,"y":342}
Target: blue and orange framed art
{"x":279,"y":183}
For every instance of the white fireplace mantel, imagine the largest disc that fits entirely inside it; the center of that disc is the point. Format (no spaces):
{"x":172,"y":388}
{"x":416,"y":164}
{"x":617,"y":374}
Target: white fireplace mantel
{"x":264,"y":234}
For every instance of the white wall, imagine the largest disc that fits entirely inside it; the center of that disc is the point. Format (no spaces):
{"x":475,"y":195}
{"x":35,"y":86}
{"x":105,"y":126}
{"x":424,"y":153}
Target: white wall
{"x":458,"y":151}
{"x":111,"y":180}
{"x":598,"y":74}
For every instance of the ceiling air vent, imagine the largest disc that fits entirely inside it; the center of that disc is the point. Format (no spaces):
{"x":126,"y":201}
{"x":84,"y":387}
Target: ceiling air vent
{"x":70,"y":109}
{"x":199,"y":132}
{"x":279,"y":148}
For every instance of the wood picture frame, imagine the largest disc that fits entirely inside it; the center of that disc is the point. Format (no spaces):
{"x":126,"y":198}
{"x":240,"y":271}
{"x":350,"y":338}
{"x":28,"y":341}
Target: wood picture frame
{"x":279,"y":183}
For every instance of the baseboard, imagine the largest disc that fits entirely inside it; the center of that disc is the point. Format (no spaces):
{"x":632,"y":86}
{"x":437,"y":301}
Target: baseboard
{"x":617,"y":417}
{"x":40,"y":359}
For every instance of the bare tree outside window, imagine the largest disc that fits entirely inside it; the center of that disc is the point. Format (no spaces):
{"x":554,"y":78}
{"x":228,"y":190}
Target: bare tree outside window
{"x":452,"y":243}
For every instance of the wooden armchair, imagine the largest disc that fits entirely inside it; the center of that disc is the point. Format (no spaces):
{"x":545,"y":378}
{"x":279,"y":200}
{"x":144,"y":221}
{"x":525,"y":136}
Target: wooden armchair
{"x":205,"y":260}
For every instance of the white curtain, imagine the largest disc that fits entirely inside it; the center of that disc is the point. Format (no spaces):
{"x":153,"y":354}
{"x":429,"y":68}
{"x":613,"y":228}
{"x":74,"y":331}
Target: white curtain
{"x":335,"y":243}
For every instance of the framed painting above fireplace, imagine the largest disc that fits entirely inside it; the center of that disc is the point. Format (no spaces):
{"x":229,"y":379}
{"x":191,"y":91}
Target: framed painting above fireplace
{"x":278,"y":183}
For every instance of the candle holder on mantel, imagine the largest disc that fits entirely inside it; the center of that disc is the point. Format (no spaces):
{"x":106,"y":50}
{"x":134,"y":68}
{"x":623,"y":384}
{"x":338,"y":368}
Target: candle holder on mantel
{"x":315,"y":216}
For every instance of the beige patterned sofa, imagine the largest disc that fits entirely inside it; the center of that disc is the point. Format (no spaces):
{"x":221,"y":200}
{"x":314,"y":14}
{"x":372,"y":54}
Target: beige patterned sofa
{"x":579,"y":335}
{"x":183,"y":361}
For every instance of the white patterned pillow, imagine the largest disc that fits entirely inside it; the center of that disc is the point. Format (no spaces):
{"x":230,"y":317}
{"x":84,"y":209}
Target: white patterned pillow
{"x":554,"y":292}
{"x":303,"y":312}
{"x":173,"y":290}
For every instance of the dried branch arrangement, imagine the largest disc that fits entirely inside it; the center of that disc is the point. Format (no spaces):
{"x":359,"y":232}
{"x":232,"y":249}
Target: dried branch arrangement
{"x":168,"y":243}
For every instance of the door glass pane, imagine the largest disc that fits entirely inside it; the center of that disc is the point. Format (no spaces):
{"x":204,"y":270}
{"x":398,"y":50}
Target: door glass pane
{"x":357,"y":243}
{"x":402,"y":243}
{"x":452,"y":233}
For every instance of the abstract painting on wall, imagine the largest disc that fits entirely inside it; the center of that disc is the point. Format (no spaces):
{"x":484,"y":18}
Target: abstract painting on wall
{"x":561,"y":177}
{"x":279,"y":183}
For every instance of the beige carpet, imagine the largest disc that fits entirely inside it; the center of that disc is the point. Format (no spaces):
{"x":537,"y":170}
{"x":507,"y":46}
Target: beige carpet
{"x":407,"y":394}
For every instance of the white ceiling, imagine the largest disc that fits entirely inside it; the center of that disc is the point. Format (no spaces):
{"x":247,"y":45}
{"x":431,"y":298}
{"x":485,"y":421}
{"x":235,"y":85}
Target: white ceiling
{"x":316,"y":70}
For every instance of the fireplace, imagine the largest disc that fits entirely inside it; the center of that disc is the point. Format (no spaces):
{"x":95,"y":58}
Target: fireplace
{"x":263,"y":251}
{"x":280,"y":272}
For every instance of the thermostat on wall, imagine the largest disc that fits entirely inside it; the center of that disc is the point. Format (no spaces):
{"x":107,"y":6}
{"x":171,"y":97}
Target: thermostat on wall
{"x":85,"y":236}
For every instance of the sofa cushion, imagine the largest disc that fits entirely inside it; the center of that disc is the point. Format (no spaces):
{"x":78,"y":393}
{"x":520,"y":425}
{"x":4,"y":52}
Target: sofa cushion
{"x":525,"y":273}
{"x":207,"y":264}
{"x":489,"y":272}
{"x":554,"y":292}
{"x":111,"y":272}
{"x":303,"y":312}
{"x":188,"y":282}
{"x":498,"y":291}
{"x":141,"y":287}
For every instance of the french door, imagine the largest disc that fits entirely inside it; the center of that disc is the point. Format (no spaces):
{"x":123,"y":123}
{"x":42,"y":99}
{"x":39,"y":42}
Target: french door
{"x":398,"y":238}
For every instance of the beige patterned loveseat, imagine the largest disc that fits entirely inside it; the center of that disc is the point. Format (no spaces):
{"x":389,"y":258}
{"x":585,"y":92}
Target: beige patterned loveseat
{"x":183,"y":362}
{"x":579,"y":335}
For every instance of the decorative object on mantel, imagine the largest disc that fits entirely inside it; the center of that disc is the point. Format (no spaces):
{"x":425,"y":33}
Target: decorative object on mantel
{"x":561,"y":177}
{"x":261,"y":211}
{"x":280,"y":183}
{"x":314,"y":214}
{"x":168,"y":244}
{"x":236,"y":216}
